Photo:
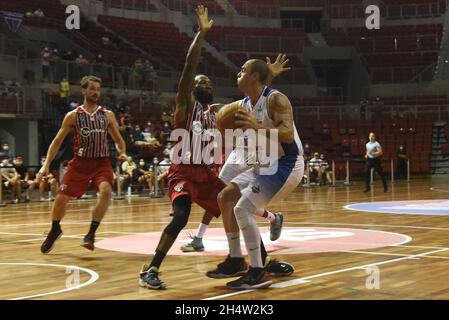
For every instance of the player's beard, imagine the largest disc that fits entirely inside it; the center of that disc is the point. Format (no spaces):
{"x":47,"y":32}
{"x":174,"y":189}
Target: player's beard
{"x":204,"y":96}
{"x":92,"y":99}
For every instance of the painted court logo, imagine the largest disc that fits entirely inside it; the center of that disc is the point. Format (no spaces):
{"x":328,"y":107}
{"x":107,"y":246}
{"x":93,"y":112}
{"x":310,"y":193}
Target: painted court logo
{"x":292,"y":241}
{"x":418,"y":207}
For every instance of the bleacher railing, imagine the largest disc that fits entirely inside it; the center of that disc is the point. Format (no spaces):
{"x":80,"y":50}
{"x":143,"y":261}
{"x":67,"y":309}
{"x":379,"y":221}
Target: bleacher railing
{"x":436,"y":112}
{"x":242,"y":7}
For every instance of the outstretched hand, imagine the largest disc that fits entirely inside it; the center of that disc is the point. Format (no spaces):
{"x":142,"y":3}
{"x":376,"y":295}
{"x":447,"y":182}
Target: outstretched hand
{"x":203,"y":19}
{"x":279,"y":66}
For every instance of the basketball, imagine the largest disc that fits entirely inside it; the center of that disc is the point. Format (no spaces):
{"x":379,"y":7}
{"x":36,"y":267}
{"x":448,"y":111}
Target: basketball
{"x":225,"y":117}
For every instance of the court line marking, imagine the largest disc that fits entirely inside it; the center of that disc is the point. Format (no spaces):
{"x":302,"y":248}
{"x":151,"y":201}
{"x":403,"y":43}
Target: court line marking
{"x":347,"y":207}
{"x":297,"y":281}
{"x":9,"y":213}
{"x":93,"y":277}
{"x":371,"y":225}
{"x":395,"y":254}
{"x":439,"y":190}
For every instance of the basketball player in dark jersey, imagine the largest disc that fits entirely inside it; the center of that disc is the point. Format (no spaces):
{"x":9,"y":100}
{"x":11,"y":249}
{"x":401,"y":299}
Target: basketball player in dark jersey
{"x":191,"y":183}
{"x":90,"y":124}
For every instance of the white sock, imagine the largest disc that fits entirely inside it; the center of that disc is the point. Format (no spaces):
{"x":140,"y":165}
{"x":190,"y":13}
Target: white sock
{"x":268,"y":215}
{"x":201,"y":230}
{"x":235,"y":250}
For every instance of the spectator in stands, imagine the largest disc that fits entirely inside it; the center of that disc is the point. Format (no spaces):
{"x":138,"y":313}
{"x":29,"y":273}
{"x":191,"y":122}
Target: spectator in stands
{"x":138,"y":136}
{"x":13,"y":87}
{"x":106,"y":41}
{"x":149,"y":127}
{"x":98,"y":65}
{"x":25,"y":181}
{"x":68,"y":55}
{"x":162,"y":172}
{"x":11,"y":178}
{"x":326,"y":171}
{"x":39,"y":13}
{"x":28,"y":13}
{"x":47,"y":183}
{"x":138,"y":70}
{"x":306,"y":151}
{"x":401,"y":163}
{"x":148,"y":75}
{"x":57,"y":69}
{"x":145,"y":174}
{"x":167,"y":150}
{"x":64,"y":92}
{"x":378,"y":107}
{"x":80,"y":66}
{"x":166,"y":117}
{"x":6,"y":152}
{"x":315,"y":169}
{"x":166,"y":131}
{"x":45,"y":56}
{"x":128,"y":168}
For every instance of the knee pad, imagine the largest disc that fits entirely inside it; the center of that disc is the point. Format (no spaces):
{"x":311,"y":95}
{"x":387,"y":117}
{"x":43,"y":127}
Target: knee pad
{"x":243,"y":213}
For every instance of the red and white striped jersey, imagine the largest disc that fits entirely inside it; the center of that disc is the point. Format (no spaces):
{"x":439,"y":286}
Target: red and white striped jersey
{"x":199,"y":120}
{"x":91,"y":133}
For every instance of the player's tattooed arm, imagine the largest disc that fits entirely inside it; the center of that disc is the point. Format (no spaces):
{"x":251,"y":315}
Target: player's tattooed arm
{"x":277,"y":68}
{"x":120,"y":144}
{"x":184,"y":97}
{"x":67,"y":125}
{"x":281,"y":112}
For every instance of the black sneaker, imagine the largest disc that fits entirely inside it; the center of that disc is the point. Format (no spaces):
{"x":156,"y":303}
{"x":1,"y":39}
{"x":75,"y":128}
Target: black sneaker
{"x":49,"y":242}
{"x":88,"y":242}
{"x":149,"y":278}
{"x":231,"y":267}
{"x":276,"y":226}
{"x":255,"y":278}
{"x":367,"y":190}
{"x":278,"y":268}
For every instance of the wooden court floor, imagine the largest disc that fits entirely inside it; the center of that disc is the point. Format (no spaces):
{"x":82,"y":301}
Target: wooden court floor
{"x":418,"y":269}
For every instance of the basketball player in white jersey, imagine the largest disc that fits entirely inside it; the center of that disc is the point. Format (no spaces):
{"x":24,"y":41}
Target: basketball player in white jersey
{"x":251,"y":189}
{"x":90,"y":124}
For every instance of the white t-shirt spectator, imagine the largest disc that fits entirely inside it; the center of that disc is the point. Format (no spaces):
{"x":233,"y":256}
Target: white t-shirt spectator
{"x":314,"y":164}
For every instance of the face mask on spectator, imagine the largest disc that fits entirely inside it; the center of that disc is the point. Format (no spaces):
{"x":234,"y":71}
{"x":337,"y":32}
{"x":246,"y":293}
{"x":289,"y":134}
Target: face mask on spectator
{"x":141,"y":163}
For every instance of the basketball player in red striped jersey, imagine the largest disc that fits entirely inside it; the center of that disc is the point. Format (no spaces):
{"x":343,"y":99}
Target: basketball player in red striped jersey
{"x":187,"y":182}
{"x":90,"y":124}
{"x":190,"y":183}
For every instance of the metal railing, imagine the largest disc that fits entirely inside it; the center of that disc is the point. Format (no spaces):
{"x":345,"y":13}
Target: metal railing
{"x":436,"y":112}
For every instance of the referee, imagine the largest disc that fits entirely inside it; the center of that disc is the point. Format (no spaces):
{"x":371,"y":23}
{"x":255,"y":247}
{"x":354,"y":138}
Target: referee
{"x":372,"y":156}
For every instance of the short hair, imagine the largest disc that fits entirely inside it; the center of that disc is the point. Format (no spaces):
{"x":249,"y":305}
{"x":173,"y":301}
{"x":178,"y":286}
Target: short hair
{"x":85,"y":81}
{"x":260,"y":66}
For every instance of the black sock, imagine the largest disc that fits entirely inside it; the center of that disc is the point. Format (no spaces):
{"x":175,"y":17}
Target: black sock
{"x":263,"y":252}
{"x":55,"y":225}
{"x":164,"y":245}
{"x":93,"y":227}
{"x":158,"y":258}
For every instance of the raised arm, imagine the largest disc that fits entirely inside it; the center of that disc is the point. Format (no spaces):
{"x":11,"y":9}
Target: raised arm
{"x":184,"y":99}
{"x":277,"y":68}
{"x":66,"y":127}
